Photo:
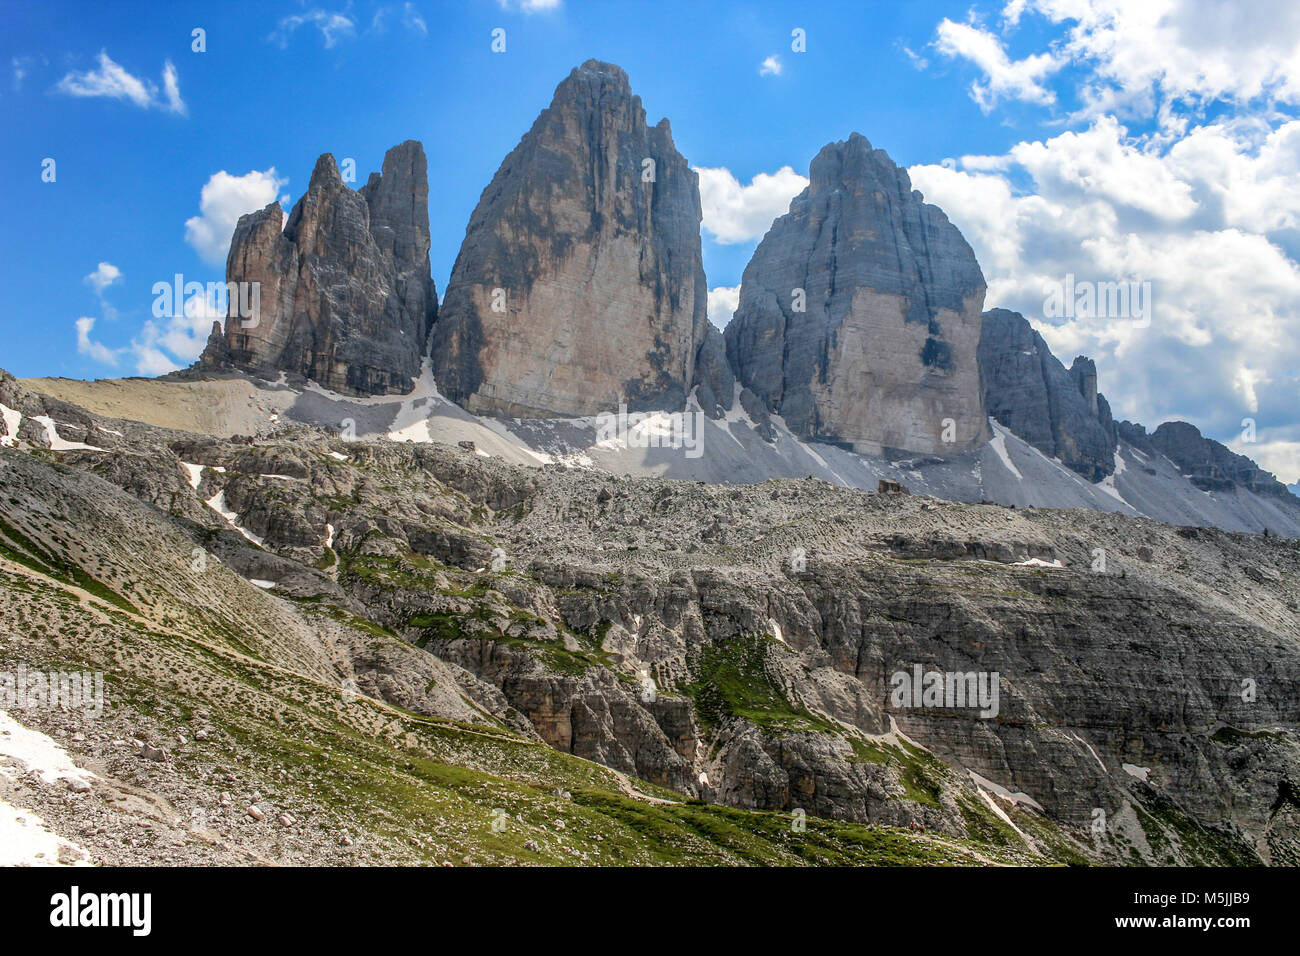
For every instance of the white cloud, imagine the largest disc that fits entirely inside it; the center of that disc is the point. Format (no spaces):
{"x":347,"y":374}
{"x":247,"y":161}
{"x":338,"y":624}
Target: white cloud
{"x":1157,"y":59}
{"x":1012,"y":12}
{"x":917,"y":61}
{"x":114,"y":82}
{"x":333,"y":27}
{"x":410,"y":18}
{"x":1183,"y":51}
{"x":723,"y":302}
{"x":87,"y":346}
{"x":1244,"y":382}
{"x":152,"y":361}
{"x":162,"y":345}
{"x":1100,"y":162}
{"x":1004,"y":78}
{"x":179,"y":339}
{"x":1205,"y":220}
{"x":105,"y":275}
{"x":735,"y":213}
{"x":530,"y":6}
{"x":1282,"y":458}
{"x":772,"y":66}
{"x":172,"y":89}
{"x":22,"y":65}
{"x":223,"y":200}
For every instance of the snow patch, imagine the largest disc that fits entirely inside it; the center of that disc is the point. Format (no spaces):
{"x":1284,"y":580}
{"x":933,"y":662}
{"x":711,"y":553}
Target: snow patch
{"x":12,"y":418}
{"x":1091,"y":751}
{"x":57,"y":443}
{"x":1133,"y":770}
{"x":26,"y":840}
{"x":196,"y":474}
{"x":1016,"y":798}
{"x":1040,"y":563}
{"x":775,"y":628}
{"x":264,"y":585}
{"x":999,"y":445}
{"x":411,"y":424}
{"x":1107,"y":484}
{"x":37,"y":753}
{"x":218,"y":504}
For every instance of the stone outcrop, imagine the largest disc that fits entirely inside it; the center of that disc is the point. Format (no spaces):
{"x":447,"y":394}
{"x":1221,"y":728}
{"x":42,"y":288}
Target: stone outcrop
{"x":1057,"y":410}
{"x":580,"y":283}
{"x":1208,"y":464}
{"x":771,"y":684}
{"x":859,"y":314}
{"x":345,"y":293}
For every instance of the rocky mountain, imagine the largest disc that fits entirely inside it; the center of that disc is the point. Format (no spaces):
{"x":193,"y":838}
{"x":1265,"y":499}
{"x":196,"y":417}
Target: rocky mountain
{"x":432,"y":613}
{"x":859,"y":314}
{"x":744,"y":446}
{"x":456,"y":635}
{"x":1208,"y":464}
{"x":346,"y":297}
{"x":580,"y":282}
{"x":1057,"y":410}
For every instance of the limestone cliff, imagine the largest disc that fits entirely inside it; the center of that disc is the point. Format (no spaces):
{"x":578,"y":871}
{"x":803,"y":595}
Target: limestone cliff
{"x":1057,"y":410}
{"x":859,"y":313}
{"x":1208,"y":464}
{"x":345,"y":294}
{"x":580,"y":282}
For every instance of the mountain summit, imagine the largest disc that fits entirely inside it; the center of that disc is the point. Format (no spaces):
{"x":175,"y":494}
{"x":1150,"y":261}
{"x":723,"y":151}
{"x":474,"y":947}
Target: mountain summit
{"x":580,"y":283}
{"x":859,"y":314}
{"x":346,"y":297}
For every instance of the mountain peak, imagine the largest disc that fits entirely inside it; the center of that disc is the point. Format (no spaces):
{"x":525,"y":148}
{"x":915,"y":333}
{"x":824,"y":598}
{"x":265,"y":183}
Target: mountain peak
{"x":580,"y":284}
{"x":859,"y":313}
{"x":345,"y":294}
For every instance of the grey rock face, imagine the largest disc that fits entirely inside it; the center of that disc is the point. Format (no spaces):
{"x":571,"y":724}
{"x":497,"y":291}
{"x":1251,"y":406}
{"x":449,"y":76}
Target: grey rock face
{"x":1057,"y":410}
{"x":580,"y":283}
{"x":346,"y":297}
{"x":1208,"y":464}
{"x":398,"y":199}
{"x":772,"y":679}
{"x":859,"y":313}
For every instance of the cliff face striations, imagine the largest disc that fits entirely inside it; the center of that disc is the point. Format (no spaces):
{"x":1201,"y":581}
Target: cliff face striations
{"x":580,"y":282}
{"x":345,"y":294}
{"x":859,"y":313}
{"x":1057,"y":410}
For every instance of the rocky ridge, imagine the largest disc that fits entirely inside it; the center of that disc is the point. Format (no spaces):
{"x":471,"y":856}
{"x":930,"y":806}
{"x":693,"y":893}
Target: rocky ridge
{"x":1208,"y":464}
{"x":1057,"y":410}
{"x":769,"y":619}
{"x":346,"y":297}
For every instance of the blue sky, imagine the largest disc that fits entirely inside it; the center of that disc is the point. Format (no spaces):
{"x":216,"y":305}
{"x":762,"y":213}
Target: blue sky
{"x":1155,"y":142}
